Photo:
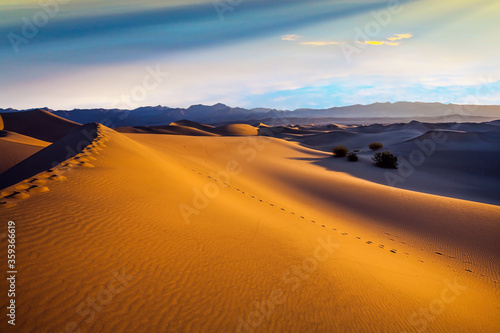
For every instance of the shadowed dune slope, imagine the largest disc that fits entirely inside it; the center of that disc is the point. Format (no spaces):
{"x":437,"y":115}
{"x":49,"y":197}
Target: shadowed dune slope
{"x":59,"y":151}
{"x":237,"y":130}
{"x":16,"y":147}
{"x":38,"y":124}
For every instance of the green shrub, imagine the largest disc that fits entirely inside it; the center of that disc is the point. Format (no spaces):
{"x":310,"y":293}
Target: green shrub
{"x":352,"y":157}
{"x":340,"y":151}
{"x":385,"y":160}
{"x":375,"y":146}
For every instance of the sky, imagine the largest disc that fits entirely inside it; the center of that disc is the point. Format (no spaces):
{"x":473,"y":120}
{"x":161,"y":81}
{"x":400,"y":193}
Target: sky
{"x":283,"y":54}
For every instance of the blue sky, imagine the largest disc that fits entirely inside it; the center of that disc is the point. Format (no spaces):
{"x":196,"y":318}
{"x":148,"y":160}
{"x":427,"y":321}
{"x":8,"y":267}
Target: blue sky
{"x":283,"y":54}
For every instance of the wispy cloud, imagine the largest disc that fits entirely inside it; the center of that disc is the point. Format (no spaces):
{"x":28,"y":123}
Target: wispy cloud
{"x":290,"y":37}
{"x":391,"y":41}
{"x":379,"y":42}
{"x":294,"y":38}
{"x":321,"y":43}
{"x":399,"y":37}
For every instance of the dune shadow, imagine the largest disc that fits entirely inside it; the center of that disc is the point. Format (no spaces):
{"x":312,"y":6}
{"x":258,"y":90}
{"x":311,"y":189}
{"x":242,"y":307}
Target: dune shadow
{"x":49,"y":157}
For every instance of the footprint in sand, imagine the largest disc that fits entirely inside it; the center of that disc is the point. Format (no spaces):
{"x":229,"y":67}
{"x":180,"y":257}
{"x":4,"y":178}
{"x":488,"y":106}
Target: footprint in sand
{"x":4,"y":194}
{"x":36,"y":181}
{"x":393,"y":251}
{"x":82,"y":159}
{"x":44,"y":175}
{"x":18,"y":195}
{"x":345,"y":234}
{"x":85,"y":164}
{"x":358,"y":238}
{"x":381,"y":246}
{"x":468,"y":270}
{"x":302,"y":217}
{"x":323,"y":225}
{"x":58,"y":178}
{"x":369,"y":242}
{"x":6,"y":204}
{"x":439,"y":253}
{"x":22,"y":187}
{"x":36,"y":188}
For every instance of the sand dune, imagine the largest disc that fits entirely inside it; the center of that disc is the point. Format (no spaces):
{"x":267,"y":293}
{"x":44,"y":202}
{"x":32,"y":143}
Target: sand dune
{"x":38,"y":124}
{"x":455,"y":160}
{"x":60,"y":151}
{"x":155,"y":233}
{"x":16,"y":147}
{"x":186,"y":127}
{"x":237,"y":130}
{"x":169,"y":129}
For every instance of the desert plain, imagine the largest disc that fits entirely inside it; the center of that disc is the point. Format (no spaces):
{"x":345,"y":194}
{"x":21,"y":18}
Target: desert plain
{"x":250,"y":227}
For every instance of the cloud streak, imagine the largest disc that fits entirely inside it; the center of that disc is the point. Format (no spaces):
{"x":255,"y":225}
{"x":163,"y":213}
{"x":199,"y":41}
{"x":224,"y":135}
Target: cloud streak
{"x":399,"y":37}
{"x":391,"y":41}
{"x":378,"y":42}
{"x":143,"y":34}
{"x":290,"y":37}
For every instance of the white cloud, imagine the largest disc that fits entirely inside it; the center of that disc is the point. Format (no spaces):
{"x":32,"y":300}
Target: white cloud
{"x":290,"y":37}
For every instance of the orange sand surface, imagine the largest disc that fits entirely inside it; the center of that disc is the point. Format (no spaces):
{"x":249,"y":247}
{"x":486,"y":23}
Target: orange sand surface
{"x":161,"y":233}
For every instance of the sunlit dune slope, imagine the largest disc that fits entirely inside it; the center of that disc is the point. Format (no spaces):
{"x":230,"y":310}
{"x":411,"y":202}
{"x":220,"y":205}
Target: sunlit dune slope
{"x":155,"y":233}
{"x":191,"y":128}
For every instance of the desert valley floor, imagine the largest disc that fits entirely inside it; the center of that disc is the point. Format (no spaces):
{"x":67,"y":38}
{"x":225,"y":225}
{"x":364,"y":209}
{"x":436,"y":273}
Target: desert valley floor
{"x":222,"y":230}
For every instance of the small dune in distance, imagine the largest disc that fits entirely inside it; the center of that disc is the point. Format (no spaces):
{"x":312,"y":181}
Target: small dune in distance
{"x":252,"y":225}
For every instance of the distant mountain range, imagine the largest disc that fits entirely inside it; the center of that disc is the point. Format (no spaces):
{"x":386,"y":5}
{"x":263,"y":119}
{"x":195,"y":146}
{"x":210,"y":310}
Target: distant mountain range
{"x":222,"y":114}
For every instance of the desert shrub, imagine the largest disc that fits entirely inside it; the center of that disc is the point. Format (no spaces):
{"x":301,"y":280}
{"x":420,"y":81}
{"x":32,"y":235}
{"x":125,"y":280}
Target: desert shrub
{"x":340,"y":151}
{"x":375,"y":146}
{"x":352,"y":157}
{"x":385,"y":160}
